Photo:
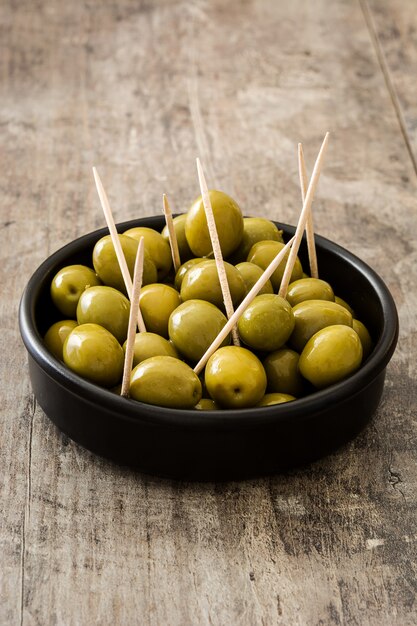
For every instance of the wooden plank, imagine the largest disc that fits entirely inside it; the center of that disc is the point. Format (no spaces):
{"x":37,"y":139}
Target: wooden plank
{"x":393,"y":26}
{"x":139,"y":90}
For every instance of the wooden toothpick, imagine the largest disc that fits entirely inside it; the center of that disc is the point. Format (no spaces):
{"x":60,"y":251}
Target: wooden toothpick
{"x":242,"y":306}
{"x":171,"y":234}
{"x":224,"y":285}
{"x":311,"y":246}
{"x":134,"y":306}
{"x":105,"y":205}
{"x":303,"y":219}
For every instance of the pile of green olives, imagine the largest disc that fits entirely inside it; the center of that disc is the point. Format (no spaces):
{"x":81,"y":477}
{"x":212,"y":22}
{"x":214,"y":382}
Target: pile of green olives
{"x":289,"y":347}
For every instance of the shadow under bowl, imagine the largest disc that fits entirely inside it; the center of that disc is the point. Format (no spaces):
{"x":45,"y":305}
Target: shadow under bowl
{"x":211,"y":445}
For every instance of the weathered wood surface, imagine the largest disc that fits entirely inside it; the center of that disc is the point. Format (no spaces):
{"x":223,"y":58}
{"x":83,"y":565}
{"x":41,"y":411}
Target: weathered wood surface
{"x":139,"y":89}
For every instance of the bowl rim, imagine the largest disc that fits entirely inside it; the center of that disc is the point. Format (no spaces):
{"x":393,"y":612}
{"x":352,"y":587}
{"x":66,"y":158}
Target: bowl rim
{"x":131,"y":410}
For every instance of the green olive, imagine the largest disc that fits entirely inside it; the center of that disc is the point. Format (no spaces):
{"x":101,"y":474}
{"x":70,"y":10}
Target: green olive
{"x":330,"y":355}
{"x":106,"y":307}
{"x":165,"y":381}
{"x":206,"y":404}
{"x":156,"y":246}
{"x":93,"y":353}
{"x":313,"y":315}
{"x":282,"y":372}
{"x":267,"y":323}
{"x":229,"y":224}
{"x":235,"y":378}
{"x":56,"y":335}
{"x":148,"y":345}
{"x":255,"y":229}
{"x":193,"y":326}
{"x":201,"y":282}
{"x":179,"y":227}
{"x":263,"y":252}
{"x":183,"y":269}
{"x":157,"y":301}
{"x":275,"y":398}
{"x":251,"y":274}
{"x":309,"y":289}
{"x":364,"y":336}
{"x":68,"y":285}
{"x":107,"y":266}
{"x":344,"y":304}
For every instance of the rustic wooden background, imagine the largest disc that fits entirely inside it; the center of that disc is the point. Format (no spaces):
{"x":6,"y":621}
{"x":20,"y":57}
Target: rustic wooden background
{"x":140,"y":88}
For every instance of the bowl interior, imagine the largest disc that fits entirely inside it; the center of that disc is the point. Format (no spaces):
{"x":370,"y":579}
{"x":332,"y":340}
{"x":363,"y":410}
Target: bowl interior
{"x":350,"y":278}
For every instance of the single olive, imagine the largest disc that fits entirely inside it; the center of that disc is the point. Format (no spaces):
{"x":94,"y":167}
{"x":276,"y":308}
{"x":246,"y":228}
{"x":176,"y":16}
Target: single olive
{"x":183,"y":269}
{"x":255,"y":229}
{"x":309,"y":289}
{"x":201,"y":282}
{"x":193,"y":326}
{"x":179,"y":227}
{"x":156,"y":246}
{"x":344,"y":304}
{"x":267,"y":323}
{"x":68,"y":285}
{"x":107,"y":266}
{"x":275,"y":398}
{"x":106,"y":307}
{"x":165,"y":381}
{"x":364,"y":336}
{"x":263,"y":252}
{"x":235,"y":378}
{"x":251,"y":274}
{"x":56,"y":335}
{"x":282,"y":372}
{"x":157,"y":301}
{"x":94,"y":353}
{"x":330,"y":355}
{"x":206,"y":404}
{"x":313,"y":315}
{"x":148,"y":345}
{"x":229,"y":225}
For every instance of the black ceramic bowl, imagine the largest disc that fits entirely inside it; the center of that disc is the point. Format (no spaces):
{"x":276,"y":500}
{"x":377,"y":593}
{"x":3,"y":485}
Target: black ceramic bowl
{"x":211,"y":445}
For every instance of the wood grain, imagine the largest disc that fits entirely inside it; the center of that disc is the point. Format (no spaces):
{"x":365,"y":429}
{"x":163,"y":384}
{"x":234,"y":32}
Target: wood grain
{"x":140,"y":89}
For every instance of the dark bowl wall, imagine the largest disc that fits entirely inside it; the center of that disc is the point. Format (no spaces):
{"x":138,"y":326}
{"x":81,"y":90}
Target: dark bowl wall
{"x":211,"y":445}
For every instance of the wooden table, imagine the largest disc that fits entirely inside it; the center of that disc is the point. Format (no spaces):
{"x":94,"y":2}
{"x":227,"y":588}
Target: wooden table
{"x":140,"y":89}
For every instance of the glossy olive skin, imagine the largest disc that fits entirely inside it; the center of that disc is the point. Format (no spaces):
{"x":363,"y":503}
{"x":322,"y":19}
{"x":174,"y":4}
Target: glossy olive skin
{"x":309,"y":289}
{"x":56,"y":335}
{"x":93,"y":353}
{"x":229,"y":225}
{"x":267,"y":323}
{"x":313,"y":315}
{"x":156,"y":246}
{"x":275,"y":398}
{"x":206,"y":404}
{"x":157,"y":302}
{"x":165,"y":381}
{"x":184,"y":249}
{"x":255,"y":229}
{"x":364,"y":336}
{"x":331,"y":355}
{"x":282,"y":372}
{"x":183,"y":269}
{"x":251,"y":273}
{"x":235,"y":378}
{"x":107,"y":266}
{"x":201,"y":282}
{"x":68,"y":285}
{"x":263,"y":252}
{"x":148,"y":345}
{"x":344,"y":304}
{"x":193,"y":326}
{"x":107,"y":307}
